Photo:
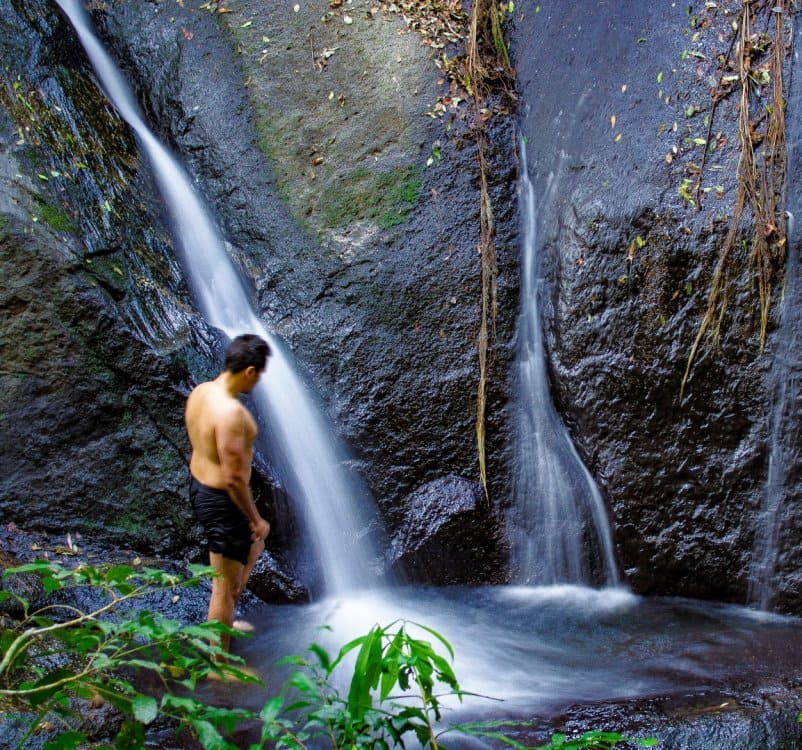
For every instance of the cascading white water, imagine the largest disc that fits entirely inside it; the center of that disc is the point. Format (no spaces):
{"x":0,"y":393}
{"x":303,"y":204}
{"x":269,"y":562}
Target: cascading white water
{"x":786,"y":377}
{"x":558,"y":524}
{"x":333,"y":502}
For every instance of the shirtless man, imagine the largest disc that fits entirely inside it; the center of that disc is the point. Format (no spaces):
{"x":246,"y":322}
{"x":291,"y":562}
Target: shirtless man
{"x":222,"y":433}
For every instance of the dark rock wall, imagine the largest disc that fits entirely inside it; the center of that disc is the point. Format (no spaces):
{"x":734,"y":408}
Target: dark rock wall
{"x":382,"y":319}
{"x":98,"y":338}
{"x":628,"y":263}
{"x":382,"y":316}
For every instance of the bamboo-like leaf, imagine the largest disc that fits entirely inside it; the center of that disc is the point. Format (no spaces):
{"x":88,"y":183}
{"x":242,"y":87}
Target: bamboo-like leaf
{"x":438,"y":636}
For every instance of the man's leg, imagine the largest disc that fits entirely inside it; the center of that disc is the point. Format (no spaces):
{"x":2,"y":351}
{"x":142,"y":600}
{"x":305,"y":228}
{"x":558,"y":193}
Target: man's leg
{"x":225,"y":589}
{"x":257,"y":548}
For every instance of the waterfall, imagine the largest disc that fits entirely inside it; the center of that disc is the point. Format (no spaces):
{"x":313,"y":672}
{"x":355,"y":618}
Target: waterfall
{"x":783,"y":447}
{"x":333,"y":502}
{"x":558,"y":526}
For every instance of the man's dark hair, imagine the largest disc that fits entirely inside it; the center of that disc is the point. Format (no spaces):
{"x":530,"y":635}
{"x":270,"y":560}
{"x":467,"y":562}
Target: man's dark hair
{"x":246,"y":350}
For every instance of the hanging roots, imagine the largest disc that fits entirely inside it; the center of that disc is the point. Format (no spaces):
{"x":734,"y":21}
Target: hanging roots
{"x":483,"y":73}
{"x":761,"y":185}
{"x":487,"y":60}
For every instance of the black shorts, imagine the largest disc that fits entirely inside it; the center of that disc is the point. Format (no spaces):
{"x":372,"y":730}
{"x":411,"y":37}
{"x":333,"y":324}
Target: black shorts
{"x":227,"y":530}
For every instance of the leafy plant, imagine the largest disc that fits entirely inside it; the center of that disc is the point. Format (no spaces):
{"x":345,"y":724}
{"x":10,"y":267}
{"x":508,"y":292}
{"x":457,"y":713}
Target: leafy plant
{"x":762,"y":178}
{"x":58,"y":657}
{"x":595,"y":740}
{"x":391,"y":698}
{"x":373,"y":715}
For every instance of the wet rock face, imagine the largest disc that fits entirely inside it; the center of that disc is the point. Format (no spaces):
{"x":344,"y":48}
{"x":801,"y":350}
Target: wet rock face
{"x":86,"y":446}
{"x":378,"y":300}
{"x":763,"y":715}
{"x":379,"y":308}
{"x":97,"y":342}
{"x":627,"y":263}
{"x":446,"y":536}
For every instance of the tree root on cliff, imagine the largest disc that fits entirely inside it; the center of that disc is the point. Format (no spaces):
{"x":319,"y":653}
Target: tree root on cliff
{"x":762,"y":186}
{"x":482,"y":75}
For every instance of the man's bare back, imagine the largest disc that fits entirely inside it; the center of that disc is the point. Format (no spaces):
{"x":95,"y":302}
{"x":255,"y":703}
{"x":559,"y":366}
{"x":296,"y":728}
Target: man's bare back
{"x":217,"y":422}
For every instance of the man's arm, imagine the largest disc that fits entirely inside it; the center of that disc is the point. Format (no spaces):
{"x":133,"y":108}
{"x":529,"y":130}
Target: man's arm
{"x":234,"y":452}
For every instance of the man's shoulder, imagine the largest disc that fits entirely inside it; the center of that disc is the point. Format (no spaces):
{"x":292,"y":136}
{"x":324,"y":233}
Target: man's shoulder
{"x":230,"y":409}
{"x":214,"y":400}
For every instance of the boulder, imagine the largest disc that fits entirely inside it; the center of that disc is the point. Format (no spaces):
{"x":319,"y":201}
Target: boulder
{"x":448,"y":536}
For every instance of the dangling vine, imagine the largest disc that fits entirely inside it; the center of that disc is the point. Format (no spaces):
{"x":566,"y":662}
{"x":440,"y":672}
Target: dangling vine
{"x":487,"y":59}
{"x":483,"y":75}
{"x":762,"y":184}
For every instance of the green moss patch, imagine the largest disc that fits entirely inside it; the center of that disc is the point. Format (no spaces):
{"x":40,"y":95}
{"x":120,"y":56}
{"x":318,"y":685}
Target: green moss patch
{"x":54,"y":217}
{"x":382,"y":197}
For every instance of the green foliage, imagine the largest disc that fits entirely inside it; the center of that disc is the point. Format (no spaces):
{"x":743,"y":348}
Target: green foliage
{"x":391,"y":694}
{"x":58,"y":658}
{"x":588,"y":741}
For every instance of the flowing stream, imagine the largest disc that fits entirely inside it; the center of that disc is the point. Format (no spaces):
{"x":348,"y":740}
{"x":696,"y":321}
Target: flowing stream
{"x":784,"y":447}
{"x":529,"y":651}
{"x":333,"y":502}
{"x":786,"y":375}
{"x":785,"y":440}
{"x":558,"y":526}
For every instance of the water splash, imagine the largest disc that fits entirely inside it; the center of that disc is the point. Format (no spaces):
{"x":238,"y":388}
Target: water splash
{"x":312,"y":463}
{"x":558,"y":527}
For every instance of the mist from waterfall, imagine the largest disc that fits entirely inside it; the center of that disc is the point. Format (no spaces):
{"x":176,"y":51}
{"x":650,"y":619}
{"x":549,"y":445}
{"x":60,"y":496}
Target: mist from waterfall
{"x":558,"y":526}
{"x":333,"y":502}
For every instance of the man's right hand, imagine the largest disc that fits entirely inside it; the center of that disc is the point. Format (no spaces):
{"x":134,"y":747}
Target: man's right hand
{"x":259,"y":530}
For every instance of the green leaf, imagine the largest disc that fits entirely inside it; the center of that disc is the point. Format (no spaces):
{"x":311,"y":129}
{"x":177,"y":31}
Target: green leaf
{"x":140,"y":663}
{"x":66,"y":741}
{"x":439,"y":637}
{"x":302,"y":682}
{"x":483,"y":730}
{"x":130,"y":737}
{"x":208,"y":736}
{"x":117,"y":573}
{"x":322,"y":656}
{"x":7,"y":637}
{"x":145,"y":708}
{"x":50,"y":584}
{"x":366,"y":673}
{"x":391,"y":666}
{"x":271,"y":709}
{"x":200,"y":571}
{"x":346,"y":649}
